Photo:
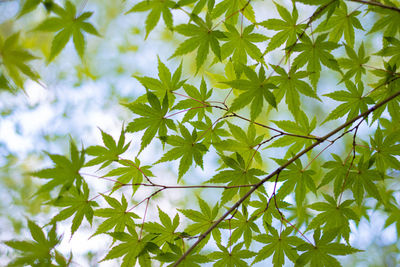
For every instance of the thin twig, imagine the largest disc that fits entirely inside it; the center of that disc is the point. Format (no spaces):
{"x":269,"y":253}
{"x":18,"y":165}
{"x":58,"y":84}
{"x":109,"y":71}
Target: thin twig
{"x":378,"y":4}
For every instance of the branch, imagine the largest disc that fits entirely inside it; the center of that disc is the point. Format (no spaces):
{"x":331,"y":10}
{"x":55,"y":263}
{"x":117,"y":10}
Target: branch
{"x":371,"y":3}
{"x":278,"y":170}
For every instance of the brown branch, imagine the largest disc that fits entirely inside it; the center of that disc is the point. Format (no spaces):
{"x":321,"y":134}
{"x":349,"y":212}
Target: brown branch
{"x":373,"y":3}
{"x":278,"y":170}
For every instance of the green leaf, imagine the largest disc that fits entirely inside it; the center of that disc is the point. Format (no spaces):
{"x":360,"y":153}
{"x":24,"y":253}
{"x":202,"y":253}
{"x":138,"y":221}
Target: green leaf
{"x":388,"y":21}
{"x":190,"y":260}
{"x":354,"y":63}
{"x":313,"y":53}
{"x":237,"y":174}
{"x":355,"y":102}
{"x":164,"y":232}
{"x":75,"y":202}
{"x":231,"y":10}
{"x":244,"y":142}
{"x":290,"y":85}
{"x":241,"y":45}
{"x":338,"y":171}
{"x":392,"y":50}
{"x":394,"y":217}
{"x":202,"y":221}
{"x":203,"y":37}
{"x":278,"y":244}
{"x":256,"y":90}
{"x":341,"y":23}
{"x":242,"y":226}
{"x":301,"y":126}
{"x":29,"y":6}
{"x":156,"y":7}
{"x":297,"y":180}
{"x":108,"y":153}
{"x":362,"y":181}
{"x":386,"y":151}
{"x":152,"y":119}
{"x":333,"y":216}
{"x":132,"y":173}
{"x":210,"y":132}
{"x":187,"y":148}
{"x":166,"y":82}
{"x":131,"y":247}
{"x":65,"y":172}
{"x":36,"y":252}
{"x":197,"y":103}
{"x":319,"y":255}
{"x":117,"y":216}
{"x":234,"y":257}
{"x":15,"y":60}
{"x":68,"y":24}
{"x":287,"y":27}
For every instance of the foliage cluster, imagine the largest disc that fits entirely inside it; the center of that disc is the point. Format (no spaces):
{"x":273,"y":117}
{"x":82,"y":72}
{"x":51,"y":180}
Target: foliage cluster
{"x":282,"y":196}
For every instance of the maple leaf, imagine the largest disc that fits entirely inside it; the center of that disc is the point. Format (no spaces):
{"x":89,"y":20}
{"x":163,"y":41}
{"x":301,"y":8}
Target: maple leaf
{"x":187,"y":148}
{"x":338,"y":171}
{"x":65,"y":172}
{"x":333,"y":216}
{"x":164,"y":232}
{"x":132,"y":173}
{"x":386,"y":151}
{"x":355,"y":102}
{"x":197,"y":104}
{"x":313,"y":53}
{"x":118,"y":216}
{"x":238,"y":174}
{"x":297,"y":180}
{"x":157,"y":8}
{"x":166,"y":82}
{"x":385,"y":87}
{"x":210,"y":132}
{"x":287,"y":27}
{"x":202,"y":37}
{"x":37,"y":252}
{"x":243,"y":226}
{"x":231,"y":9}
{"x":319,"y":255}
{"x":268,"y":209}
{"x":388,"y":22}
{"x":256,"y":89}
{"x":392,"y":50}
{"x":202,"y":219}
{"x":362,"y":179}
{"x":394,"y":217}
{"x":279,"y":244}
{"x":355,"y":63}
{"x":152,"y":119}
{"x":131,"y":248}
{"x":15,"y":60}
{"x":301,"y":127}
{"x":191,"y":260}
{"x":68,"y":24}
{"x":76,"y":202}
{"x":110,"y":152}
{"x":290,"y":85}
{"x":341,"y":23}
{"x":234,"y":257}
{"x":240,"y":45}
{"x":244,"y":142}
